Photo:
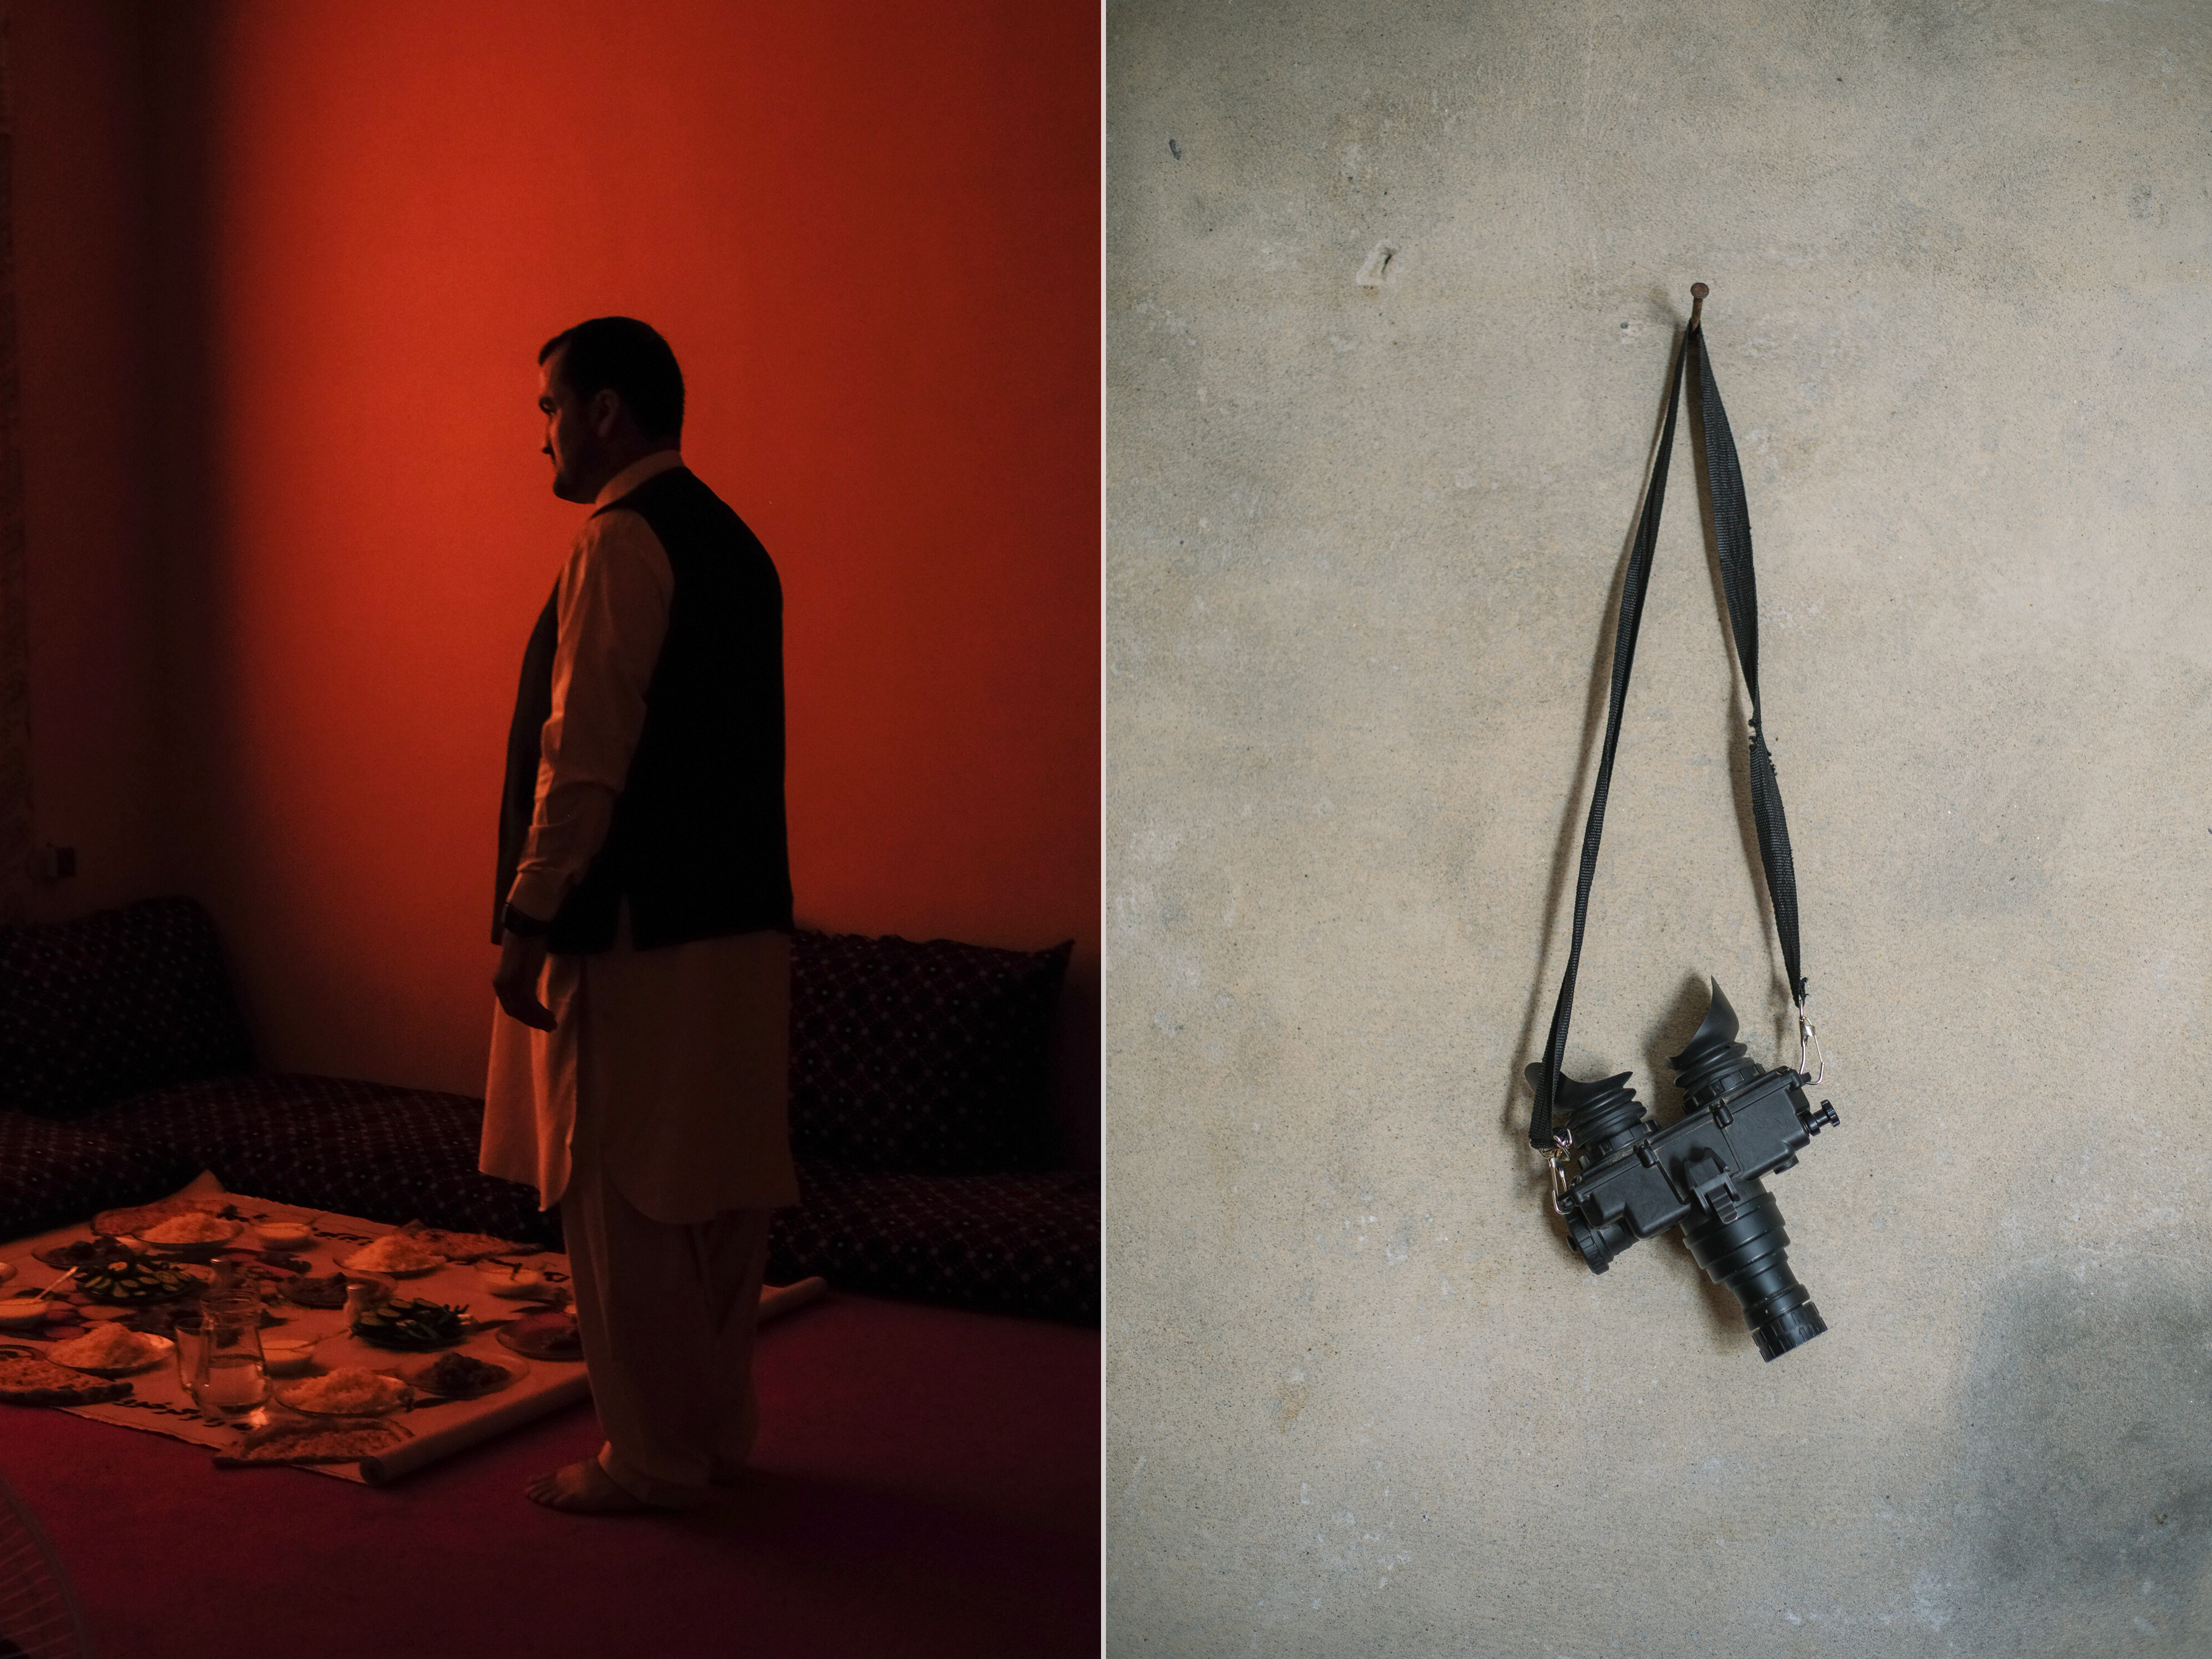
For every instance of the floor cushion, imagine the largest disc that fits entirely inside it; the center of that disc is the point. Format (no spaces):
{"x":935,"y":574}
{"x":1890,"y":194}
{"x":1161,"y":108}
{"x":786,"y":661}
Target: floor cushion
{"x":218,"y":1118}
{"x":372,"y":1150}
{"x":928,"y":1058}
{"x":114,"y":1002}
{"x":1022,"y":1242}
{"x":54,"y":1173}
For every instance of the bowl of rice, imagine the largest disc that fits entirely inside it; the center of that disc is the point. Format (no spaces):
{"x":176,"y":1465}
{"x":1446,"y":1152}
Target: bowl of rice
{"x":191,"y":1234}
{"x":109,"y":1350}
{"x":349,"y":1391}
{"x":394,"y":1253}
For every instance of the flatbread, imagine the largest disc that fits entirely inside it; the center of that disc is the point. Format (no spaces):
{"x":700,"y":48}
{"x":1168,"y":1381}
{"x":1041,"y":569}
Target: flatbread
{"x":313,"y":1442}
{"x":126,"y":1223}
{"x":461,"y":1247}
{"x":25,"y":1379}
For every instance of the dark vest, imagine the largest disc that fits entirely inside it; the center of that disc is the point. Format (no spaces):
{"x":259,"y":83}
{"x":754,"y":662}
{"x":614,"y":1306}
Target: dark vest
{"x":697,"y":844}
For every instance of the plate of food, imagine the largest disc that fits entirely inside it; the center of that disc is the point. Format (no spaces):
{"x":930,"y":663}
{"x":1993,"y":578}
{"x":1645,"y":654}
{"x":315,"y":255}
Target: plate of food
{"x":519,"y":1284}
{"x":349,"y":1391}
{"x":277,"y":1263}
{"x":135,"y":1280}
{"x":408,"y":1322}
{"x":317,"y":1291}
{"x":395,"y":1254}
{"x":83,"y":1252}
{"x":112,"y":1350}
{"x":266,"y":1270}
{"x":544,"y":1336}
{"x":190,"y":1234}
{"x":457,"y":1376}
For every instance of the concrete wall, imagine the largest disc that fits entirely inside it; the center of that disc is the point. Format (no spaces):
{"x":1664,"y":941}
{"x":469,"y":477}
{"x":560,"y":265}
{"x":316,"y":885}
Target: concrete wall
{"x":1362,"y":543}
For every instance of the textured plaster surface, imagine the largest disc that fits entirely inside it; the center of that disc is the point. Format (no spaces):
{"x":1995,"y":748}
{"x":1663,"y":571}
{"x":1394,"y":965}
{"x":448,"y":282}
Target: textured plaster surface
{"x":1362,"y":542}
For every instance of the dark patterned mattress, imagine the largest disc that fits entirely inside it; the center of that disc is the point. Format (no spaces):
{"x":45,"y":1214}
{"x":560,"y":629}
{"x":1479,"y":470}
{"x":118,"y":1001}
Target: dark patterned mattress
{"x":918,"y":1112}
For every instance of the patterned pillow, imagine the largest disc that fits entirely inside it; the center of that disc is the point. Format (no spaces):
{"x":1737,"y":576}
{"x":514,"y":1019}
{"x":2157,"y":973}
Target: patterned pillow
{"x":1024,"y":1243}
{"x":111,"y":1003}
{"x":54,"y":1173}
{"x":929,"y":1058}
{"x":222,"y":1120}
{"x":372,"y":1150}
{"x":411,"y":1156}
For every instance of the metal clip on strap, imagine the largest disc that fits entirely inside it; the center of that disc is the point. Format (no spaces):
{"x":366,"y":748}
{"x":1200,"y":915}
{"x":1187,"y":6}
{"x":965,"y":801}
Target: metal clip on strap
{"x":1563,"y":1148}
{"x":1809,"y":1037}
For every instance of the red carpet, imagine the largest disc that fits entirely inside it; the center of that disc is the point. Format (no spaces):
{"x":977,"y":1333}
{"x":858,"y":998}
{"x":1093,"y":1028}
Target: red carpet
{"x":927,"y":1483}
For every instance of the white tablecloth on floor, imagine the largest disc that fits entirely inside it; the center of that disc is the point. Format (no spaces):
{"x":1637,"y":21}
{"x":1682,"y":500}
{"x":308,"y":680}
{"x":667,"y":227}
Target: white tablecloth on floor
{"x":158,"y":1404}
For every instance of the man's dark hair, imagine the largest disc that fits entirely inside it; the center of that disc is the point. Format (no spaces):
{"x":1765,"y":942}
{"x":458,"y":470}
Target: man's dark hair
{"x":630,"y":358}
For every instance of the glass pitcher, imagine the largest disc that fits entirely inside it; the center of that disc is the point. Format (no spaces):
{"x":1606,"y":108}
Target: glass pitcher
{"x":228,"y":1376}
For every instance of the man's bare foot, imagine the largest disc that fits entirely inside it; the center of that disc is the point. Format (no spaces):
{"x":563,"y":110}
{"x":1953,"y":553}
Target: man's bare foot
{"x":584,"y":1488}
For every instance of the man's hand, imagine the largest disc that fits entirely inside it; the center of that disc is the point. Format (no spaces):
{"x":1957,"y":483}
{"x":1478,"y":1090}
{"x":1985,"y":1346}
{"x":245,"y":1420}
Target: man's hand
{"x":521,"y":959}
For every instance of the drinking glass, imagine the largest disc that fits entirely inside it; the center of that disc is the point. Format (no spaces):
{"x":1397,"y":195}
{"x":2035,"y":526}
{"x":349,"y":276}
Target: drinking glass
{"x":187,"y":1333}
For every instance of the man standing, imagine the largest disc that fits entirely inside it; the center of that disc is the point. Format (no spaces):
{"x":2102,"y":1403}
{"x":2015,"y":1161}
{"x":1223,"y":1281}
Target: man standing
{"x":643,"y":913}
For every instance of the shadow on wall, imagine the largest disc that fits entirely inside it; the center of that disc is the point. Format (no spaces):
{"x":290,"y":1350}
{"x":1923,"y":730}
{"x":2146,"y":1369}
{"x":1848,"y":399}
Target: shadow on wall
{"x":180,"y":56}
{"x":2086,"y":1516}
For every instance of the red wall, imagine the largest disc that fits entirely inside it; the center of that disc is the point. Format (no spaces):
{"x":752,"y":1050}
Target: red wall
{"x":870,"y":231}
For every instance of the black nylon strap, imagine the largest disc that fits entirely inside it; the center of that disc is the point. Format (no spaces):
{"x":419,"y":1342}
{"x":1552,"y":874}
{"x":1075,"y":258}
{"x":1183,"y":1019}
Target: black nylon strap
{"x":1732,"y":531}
